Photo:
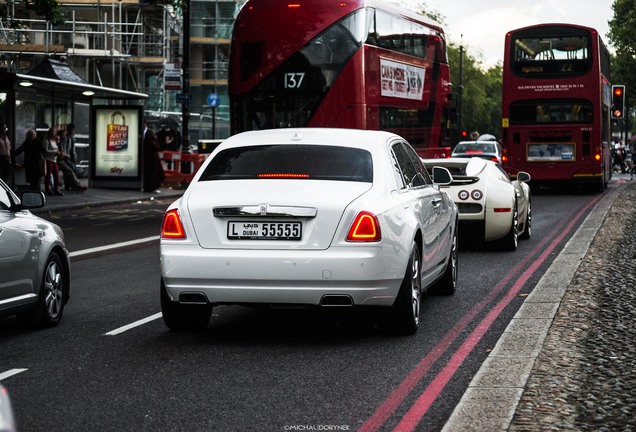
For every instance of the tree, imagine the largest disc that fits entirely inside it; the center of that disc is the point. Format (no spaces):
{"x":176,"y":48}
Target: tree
{"x":623,"y":38}
{"x":48,"y":9}
{"x":481,"y":95}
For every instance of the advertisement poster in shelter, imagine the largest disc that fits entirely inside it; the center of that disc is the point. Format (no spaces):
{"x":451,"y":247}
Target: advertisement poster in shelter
{"x":117,"y":145}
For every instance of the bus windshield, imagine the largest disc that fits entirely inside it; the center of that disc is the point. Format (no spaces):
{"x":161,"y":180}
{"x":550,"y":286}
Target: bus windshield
{"x":551,"y":55}
{"x":289,"y":97}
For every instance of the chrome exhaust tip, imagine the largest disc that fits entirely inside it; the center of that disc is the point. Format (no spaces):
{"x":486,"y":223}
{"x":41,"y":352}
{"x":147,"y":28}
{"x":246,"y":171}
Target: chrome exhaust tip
{"x":336,"y":300}
{"x":193,"y":298}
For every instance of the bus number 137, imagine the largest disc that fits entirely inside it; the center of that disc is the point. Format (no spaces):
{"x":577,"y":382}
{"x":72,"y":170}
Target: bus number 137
{"x":294,"y":80}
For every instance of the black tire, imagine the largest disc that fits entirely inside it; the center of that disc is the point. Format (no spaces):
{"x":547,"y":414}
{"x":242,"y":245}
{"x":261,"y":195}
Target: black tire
{"x":407,"y":304}
{"x":511,"y":240}
{"x":53,"y":295}
{"x":527,"y":227}
{"x":447,"y":285}
{"x":180,"y":317}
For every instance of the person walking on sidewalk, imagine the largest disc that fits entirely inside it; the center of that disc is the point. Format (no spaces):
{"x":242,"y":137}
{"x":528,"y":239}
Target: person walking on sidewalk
{"x":33,"y":159}
{"x":5,"y":154}
{"x":51,"y":153}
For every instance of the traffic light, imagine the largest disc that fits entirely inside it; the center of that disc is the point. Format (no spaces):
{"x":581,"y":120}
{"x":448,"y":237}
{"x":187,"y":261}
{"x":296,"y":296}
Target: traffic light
{"x":618,"y":101}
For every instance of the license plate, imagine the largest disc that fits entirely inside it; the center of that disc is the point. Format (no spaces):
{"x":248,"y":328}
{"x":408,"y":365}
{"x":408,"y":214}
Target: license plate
{"x":264,"y":230}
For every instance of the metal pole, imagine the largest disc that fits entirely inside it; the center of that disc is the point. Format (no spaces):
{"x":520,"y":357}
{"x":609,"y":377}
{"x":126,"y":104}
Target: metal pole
{"x":461,"y":89}
{"x":185,"y":68}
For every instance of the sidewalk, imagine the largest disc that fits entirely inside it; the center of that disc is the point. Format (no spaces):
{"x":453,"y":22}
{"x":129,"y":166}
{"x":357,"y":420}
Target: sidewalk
{"x":565,"y":362}
{"x":93,"y":197}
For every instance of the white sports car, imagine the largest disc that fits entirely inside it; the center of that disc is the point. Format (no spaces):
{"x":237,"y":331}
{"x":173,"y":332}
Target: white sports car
{"x":313,"y":217}
{"x":491,"y":206}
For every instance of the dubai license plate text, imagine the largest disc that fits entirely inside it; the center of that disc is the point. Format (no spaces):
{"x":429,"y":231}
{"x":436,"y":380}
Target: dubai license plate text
{"x":264,"y":230}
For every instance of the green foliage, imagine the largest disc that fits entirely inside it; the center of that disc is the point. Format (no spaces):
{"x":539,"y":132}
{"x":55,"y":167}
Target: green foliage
{"x":481,"y":95}
{"x":623,"y":37}
{"x":47,"y":9}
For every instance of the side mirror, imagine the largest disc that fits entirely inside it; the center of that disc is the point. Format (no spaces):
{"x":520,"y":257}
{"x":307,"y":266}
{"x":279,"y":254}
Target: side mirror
{"x":442,"y":176}
{"x":32,"y":199}
{"x":523,"y":176}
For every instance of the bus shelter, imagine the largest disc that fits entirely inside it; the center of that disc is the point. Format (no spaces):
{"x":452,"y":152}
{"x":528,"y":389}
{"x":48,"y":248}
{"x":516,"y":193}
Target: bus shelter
{"x":53,"y":95}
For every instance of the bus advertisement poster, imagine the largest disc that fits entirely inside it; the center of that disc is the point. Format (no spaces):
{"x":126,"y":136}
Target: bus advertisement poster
{"x":401,"y":80}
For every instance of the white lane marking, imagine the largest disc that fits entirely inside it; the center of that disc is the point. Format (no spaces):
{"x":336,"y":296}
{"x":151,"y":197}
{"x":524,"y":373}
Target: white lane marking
{"x":115,"y":246}
{"x":112,"y":246}
{"x":10,"y":373}
{"x":133,"y":325}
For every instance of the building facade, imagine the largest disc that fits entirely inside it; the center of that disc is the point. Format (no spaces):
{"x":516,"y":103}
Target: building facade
{"x":137,"y":46}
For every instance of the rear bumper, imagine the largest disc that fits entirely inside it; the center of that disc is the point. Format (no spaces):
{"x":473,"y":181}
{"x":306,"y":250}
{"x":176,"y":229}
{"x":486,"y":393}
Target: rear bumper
{"x":369,"y":275}
{"x":488,"y":226}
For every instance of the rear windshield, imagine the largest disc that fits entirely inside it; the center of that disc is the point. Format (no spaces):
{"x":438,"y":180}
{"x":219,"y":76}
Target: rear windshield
{"x":475,"y":148}
{"x":304,"y":162}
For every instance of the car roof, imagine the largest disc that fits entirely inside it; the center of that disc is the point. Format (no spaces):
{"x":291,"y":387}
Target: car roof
{"x":366,"y":139}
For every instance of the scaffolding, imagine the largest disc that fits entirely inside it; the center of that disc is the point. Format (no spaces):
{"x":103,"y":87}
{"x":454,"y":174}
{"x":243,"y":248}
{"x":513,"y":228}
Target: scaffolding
{"x":128,"y":44}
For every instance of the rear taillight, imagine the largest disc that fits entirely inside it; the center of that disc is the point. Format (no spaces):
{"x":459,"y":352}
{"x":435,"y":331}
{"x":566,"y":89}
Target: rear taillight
{"x":365,"y":228}
{"x":172,"y":228}
{"x":475,"y":194}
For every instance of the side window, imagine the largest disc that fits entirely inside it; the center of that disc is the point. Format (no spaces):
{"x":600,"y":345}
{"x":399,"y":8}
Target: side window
{"x":418,"y":166}
{"x":503,"y":174}
{"x":404,"y":169}
{"x":5,"y":203}
{"x":409,"y":165}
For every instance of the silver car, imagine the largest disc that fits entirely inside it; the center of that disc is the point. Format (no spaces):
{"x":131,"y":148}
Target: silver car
{"x":34,"y":262}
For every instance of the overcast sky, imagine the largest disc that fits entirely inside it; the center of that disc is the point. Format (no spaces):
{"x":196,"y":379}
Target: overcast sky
{"x":481,"y":25}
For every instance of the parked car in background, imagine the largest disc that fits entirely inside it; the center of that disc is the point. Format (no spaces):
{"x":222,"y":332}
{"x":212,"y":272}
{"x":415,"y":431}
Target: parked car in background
{"x":490,"y":150}
{"x":491,"y":206}
{"x":312,"y":217}
{"x":34,"y":262}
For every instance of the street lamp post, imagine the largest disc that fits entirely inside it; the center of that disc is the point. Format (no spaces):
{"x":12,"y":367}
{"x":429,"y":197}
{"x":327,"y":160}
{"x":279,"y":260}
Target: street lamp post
{"x":185,"y":68}
{"x":461,"y":89}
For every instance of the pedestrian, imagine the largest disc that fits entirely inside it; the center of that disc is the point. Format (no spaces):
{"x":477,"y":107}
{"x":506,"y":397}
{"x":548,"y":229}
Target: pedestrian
{"x":628,"y":161}
{"x":51,"y":153}
{"x":623,"y":151}
{"x":153,"y":174}
{"x":5,"y":154}
{"x":617,"y":158}
{"x":632,"y":149}
{"x":68,"y":146}
{"x":65,"y":165}
{"x":34,"y":164}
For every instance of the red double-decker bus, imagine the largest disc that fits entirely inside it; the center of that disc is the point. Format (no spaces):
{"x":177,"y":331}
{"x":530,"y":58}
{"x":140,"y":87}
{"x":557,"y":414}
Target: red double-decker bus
{"x":556,"y":105}
{"x":360,"y":64}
